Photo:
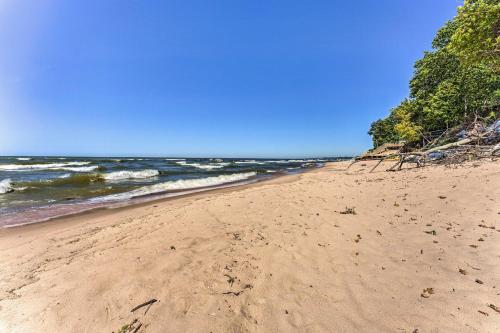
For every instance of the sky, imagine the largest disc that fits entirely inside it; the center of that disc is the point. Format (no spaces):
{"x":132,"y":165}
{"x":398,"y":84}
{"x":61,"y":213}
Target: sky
{"x":205,"y":78}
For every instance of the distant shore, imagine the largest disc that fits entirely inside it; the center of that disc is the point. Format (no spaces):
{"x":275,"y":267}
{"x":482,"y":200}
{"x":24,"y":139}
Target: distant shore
{"x":323,"y":251}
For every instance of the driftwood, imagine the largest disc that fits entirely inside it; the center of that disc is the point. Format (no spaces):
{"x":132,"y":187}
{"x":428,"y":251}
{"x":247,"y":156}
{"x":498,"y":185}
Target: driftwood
{"x":479,"y":144}
{"x":144,"y":304}
{"x":380,"y":160}
{"x":449,"y":145}
{"x":137,"y":328}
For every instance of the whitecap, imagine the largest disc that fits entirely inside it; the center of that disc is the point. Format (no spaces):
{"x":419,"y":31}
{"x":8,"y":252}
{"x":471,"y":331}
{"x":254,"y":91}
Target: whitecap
{"x":293,"y":161}
{"x":46,"y":166}
{"x":78,"y":169}
{"x":181,"y":184}
{"x":249,"y":162}
{"x":5,"y":186}
{"x":203,"y":166}
{"x":121,"y":175}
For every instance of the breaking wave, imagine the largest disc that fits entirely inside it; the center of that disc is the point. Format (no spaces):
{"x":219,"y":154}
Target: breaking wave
{"x":68,"y":179}
{"x":121,"y":175}
{"x":181,"y":184}
{"x":86,"y":179}
{"x":5,"y":186}
{"x":295,"y":161}
{"x":47,"y":166}
{"x":79,"y":169}
{"x":64,"y":180}
{"x":203,"y":166}
{"x":249,"y":162}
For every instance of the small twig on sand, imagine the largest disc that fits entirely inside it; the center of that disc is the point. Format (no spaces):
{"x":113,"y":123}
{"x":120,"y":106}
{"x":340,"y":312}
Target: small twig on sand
{"x":237,"y":293}
{"x":144,"y":304}
{"x":137,"y":328}
{"x":230,"y":279}
{"x":494,"y":307}
{"x":477,"y":269}
{"x":147,"y":309}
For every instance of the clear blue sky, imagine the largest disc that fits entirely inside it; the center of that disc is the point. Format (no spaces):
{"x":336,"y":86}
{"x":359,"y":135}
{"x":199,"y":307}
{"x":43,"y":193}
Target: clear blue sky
{"x":205,"y":78}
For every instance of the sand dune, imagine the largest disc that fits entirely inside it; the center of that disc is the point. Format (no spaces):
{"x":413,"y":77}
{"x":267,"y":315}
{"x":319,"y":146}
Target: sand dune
{"x":421,"y":253}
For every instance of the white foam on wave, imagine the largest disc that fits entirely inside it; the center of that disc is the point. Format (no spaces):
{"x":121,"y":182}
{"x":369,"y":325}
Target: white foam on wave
{"x":121,"y":175}
{"x":203,"y":166}
{"x":47,"y":166}
{"x":5,"y":186}
{"x":249,"y":162}
{"x":175,"y":159}
{"x":181,"y":184}
{"x":78,"y":169}
{"x":295,"y":161}
{"x":23,"y":158}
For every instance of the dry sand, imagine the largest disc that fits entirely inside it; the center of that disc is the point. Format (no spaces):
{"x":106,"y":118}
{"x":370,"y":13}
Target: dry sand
{"x":271,"y":257}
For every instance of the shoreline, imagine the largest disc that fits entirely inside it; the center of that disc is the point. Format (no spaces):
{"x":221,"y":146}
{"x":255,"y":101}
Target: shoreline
{"x":146,"y":199}
{"x":158,"y":199}
{"x":315,"y":252}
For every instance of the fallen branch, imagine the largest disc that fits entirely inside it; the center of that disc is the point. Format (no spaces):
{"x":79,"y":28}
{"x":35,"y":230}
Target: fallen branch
{"x":144,"y":304}
{"x":137,"y":328}
{"x":449,"y":145}
{"x":494,"y":307}
{"x":482,"y":142}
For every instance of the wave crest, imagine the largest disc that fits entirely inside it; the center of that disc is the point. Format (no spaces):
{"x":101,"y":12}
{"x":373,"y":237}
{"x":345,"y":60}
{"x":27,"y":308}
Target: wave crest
{"x":80,"y":169}
{"x":122,"y":175}
{"x":5,"y":186}
{"x":203,"y":166}
{"x":88,"y":178}
{"x":181,"y":184}
{"x":47,"y":166}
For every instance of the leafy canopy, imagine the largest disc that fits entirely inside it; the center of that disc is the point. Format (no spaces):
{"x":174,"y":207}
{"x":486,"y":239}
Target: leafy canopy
{"x":457,"y":80}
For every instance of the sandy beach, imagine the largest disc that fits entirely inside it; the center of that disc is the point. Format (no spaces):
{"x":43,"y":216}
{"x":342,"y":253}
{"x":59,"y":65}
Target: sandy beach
{"x":324,"y":251}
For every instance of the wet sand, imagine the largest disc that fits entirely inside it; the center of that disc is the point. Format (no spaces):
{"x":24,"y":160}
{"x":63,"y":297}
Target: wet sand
{"x":324,"y":251}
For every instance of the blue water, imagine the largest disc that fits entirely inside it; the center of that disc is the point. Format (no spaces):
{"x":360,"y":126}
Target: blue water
{"x":29,"y":182}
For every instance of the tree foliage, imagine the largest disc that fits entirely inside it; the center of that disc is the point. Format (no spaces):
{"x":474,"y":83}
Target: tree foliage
{"x":383,"y":131}
{"x":454,"y":82}
{"x":477,"y":35}
{"x":405,"y":128}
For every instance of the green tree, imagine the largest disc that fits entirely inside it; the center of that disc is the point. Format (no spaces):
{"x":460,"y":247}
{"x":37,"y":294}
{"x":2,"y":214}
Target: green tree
{"x":443,"y":107}
{"x":444,"y":34}
{"x":382,"y":131}
{"x":454,"y":82}
{"x":434,"y":68}
{"x":477,"y":35}
{"x":405,"y":128}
